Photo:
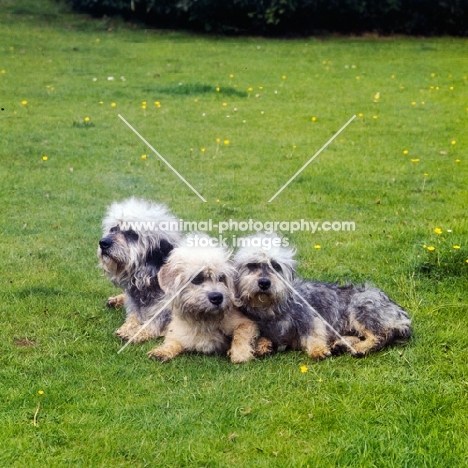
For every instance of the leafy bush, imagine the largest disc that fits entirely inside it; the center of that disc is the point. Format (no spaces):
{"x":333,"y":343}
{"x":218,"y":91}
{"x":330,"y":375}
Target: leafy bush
{"x":296,"y":17}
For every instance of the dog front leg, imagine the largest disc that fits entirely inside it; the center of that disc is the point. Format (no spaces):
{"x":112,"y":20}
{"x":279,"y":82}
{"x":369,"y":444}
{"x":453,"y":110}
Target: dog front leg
{"x":167,"y":351}
{"x":243,"y":338}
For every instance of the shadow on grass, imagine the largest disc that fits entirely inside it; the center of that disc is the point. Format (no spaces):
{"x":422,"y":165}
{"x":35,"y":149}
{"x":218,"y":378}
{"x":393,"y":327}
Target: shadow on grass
{"x":189,"y":89}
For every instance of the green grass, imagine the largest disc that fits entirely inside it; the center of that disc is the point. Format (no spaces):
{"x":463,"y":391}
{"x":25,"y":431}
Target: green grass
{"x":402,"y":407}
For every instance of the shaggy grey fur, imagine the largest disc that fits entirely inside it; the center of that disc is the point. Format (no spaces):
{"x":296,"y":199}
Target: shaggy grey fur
{"x":131,"y":256}
{"x":364,"y":316}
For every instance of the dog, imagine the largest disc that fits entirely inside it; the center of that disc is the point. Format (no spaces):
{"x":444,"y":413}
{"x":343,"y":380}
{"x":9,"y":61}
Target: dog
{"x":137,"y":238}
{"x":319,"y":318}
{"x":204,"y":316}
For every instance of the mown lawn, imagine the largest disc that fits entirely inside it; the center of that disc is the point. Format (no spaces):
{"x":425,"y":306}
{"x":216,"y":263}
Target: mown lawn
{"x":398,"y":171}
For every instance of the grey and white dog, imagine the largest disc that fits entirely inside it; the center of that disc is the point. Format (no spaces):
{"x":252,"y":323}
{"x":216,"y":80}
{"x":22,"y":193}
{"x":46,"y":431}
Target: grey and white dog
{"x":137,"y":238}
{"x":319,"y":318}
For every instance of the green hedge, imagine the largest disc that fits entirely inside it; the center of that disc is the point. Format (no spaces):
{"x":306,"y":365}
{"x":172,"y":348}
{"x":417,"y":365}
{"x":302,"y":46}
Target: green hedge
{"x":293,"y":17}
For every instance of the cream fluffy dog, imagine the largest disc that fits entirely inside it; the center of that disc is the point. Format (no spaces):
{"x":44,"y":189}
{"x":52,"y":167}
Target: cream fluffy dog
{"x":204,"y":317}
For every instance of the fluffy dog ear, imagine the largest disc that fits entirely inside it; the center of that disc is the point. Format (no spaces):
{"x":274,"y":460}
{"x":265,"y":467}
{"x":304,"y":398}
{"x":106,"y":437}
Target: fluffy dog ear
{"x":156,"y":258}
{"x":166,"y":277}
{"x":166,"y":248}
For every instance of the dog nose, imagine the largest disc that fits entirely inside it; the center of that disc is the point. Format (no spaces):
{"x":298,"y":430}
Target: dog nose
{"x":264,"y":284}
{"x":105,"y":243}
{"x":215,"y":298}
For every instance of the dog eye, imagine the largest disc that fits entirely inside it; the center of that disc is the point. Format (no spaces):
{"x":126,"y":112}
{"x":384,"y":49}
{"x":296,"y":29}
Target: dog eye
{"x":114,"y":229}
{"x":253,"y":266}
{"x":222,"y":278}
{"x":276,"y":267}
{"x":131,"y":236}
{"x":198,"y":279}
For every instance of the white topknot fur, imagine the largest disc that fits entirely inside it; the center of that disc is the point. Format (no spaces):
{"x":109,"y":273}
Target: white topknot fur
{"x":152,"y":222}
{"x":136,"y":210}
{"x":261,"y":248}
{"x":190,"y":256}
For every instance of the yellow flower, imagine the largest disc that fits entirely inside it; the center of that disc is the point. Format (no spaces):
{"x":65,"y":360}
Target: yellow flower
{"x":283,"y":77}
{"x":457,"y":160}
{"x":203,"y":150}
{"x":393,"y":76}
{"x":143,"y":107}
{"x":3,"y":72}
{"x":217,"y":200}
{"x":260,"y":88}
{"x":422,"y":103}
{"x":101,"y":102}
{"x":405,"y":151}
{"x":438,"y":231}
{"x":250,"y":90}
{"x":432,"y":75}
{"x":375,"y":117}
{"x":113,"y":104}
{"x":294,"y":146}
{"x":218,"y":140}
{"x":415,"y":160}
{"x":157,"y":104}
{"x":424,"y":246}
{"x":24,"y":102}
{"x":224,"y":104}
{"x":456,"y":247}
{"x":466,"y":260}
{"x":218,"y":90}
{"x":226,"y":142}
{"x":453,"y":142}
{"x":45,"y":158}
{"x":451,"y":88}
{"x":304,"y":369}
{"x":413,"y":103}
{"x":426,"y":174}
{"x":143,"y":156}
{"x":231,"y":76}
{"x":86,"y":119}
{"x":41,"y":392}
{"x":360,"y":114}
{"x":313,"y":119}
{"x":431,"y":248}
{"x":316,"y":246}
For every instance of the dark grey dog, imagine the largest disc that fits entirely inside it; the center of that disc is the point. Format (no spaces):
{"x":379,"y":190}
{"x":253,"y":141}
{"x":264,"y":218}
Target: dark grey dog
{"x":137,"y":238}
{"x":319,"y":318}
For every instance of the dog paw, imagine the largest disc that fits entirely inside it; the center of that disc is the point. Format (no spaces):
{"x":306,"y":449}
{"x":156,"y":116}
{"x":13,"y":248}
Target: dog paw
{"x":345,"y":344}
{"x":264,"y":347}
{"x":127,"y":333}
{"x":116,"y":301}
{"x":320,"y":352}
{"x":238,"y":356}
{"x":123,"y":333}
{"x":159,"y":355}
{"x":132,"y":330}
